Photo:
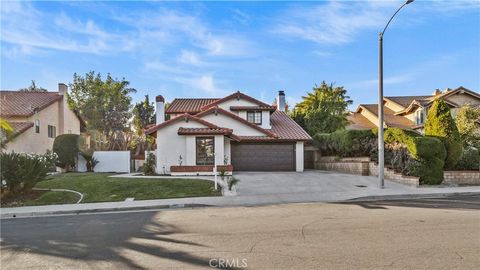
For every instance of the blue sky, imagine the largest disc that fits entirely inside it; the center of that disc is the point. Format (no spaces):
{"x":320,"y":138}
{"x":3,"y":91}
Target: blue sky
{"x":210,"y":49}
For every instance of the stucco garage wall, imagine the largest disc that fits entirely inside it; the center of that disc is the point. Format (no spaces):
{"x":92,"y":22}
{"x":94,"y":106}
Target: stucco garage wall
{"x":112,"y":161}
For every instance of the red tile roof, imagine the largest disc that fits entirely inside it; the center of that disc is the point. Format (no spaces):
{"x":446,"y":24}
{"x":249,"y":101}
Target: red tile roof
{"x":253,"y":108}
{"x":24,"y":104}
{"x":204,"y":131}
{"x":20,"y":127}
{"x":184,"y":116}
{"x":237,"y":95}
{"x":188,"y":105}
{"x":286,"y":128}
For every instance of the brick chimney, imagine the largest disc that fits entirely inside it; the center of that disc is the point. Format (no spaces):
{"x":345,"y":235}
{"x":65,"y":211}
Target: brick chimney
{"x":281,"y":101}
{"x":160,"y":109}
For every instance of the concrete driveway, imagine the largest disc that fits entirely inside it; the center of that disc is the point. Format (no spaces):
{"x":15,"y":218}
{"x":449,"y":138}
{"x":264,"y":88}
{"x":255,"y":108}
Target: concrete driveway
{"x":308,"y":182}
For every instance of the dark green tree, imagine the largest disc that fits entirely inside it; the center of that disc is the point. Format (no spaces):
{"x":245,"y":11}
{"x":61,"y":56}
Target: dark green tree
{"x":105,"y":106}
{"x":143,"y":115}
{"x":440,"y":124}
{"x":33,"y":88}
{"x":324,"y":110}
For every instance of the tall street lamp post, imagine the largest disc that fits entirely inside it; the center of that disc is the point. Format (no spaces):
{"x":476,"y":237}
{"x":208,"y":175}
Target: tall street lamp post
{"x":381,"y":143}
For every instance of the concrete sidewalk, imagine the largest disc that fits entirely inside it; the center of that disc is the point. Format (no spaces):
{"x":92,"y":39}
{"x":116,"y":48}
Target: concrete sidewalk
{"x":241,"y":200}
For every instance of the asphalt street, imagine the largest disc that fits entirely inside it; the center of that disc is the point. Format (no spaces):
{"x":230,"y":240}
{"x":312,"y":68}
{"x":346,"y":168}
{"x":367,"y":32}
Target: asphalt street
{"x":430,"y":233}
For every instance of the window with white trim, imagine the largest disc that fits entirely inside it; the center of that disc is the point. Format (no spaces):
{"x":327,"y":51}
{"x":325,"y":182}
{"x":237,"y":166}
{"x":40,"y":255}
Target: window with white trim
{"x":254,"y":117}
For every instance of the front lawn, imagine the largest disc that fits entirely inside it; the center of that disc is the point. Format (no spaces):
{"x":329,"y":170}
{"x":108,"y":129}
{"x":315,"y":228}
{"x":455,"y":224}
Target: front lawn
{"x":98,"y":187}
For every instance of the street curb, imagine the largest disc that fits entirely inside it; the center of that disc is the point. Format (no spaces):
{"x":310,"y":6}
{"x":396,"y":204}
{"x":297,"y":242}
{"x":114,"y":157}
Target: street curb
{"x":102,"y":210}
{"x":182,"y":206}
{"x":409,"y":196}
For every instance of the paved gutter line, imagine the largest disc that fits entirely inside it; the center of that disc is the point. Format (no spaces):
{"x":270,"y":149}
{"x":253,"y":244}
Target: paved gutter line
{"x":409,"y":196}
{"x":62,"y":190}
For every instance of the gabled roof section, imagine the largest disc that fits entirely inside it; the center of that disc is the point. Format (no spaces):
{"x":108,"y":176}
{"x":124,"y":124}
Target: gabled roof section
{"x":405,"y":101}
{"x":218,"y":110}
{"x":286,"y":128}
{"x":237,"y":95}
{"x":188,"y":105}
{"x":185,"y":117}
{"x":459,"y":90}
{"x":24,"y":104}
{"x":390,"y":119}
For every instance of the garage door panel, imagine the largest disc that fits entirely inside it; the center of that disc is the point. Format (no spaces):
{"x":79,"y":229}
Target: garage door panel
{"x":263,"y":157}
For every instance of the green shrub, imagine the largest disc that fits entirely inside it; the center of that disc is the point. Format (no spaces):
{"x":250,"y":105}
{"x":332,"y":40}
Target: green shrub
{"x":346,"y":143}
{"x":232,"y":181}
{"x":67,"y":147}
{"x":149,"y":166}
{"x":428,"y":152}
{"x":91,"y":162}
{"x":20,"y":172}
{"x":440,"y":124}
{"x":470,"y":160}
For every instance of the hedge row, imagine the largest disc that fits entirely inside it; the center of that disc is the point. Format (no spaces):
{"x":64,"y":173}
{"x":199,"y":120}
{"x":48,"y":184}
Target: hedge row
{"x":428,"y":151}
{"x":346,"y":143}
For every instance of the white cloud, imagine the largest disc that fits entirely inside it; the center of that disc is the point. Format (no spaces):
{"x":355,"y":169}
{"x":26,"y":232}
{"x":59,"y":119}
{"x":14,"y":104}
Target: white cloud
{"x":189,"y":57}
{"x":24,"y":26}
{"x":204,"y":83}
{"x":340,"y":22}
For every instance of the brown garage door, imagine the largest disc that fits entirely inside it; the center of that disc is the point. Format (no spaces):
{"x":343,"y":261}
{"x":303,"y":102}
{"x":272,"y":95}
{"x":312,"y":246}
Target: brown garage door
{"x":263,"y":157}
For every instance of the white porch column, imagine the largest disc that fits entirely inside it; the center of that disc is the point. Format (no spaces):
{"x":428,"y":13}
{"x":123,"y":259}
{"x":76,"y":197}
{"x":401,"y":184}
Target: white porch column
{"x":190,"y":151}
{"x":299,"y":156}
{"x":219,"y":149}
{"x":227,"y":151}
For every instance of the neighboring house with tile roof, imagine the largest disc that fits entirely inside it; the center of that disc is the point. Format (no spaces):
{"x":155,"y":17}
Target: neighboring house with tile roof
{"x":237,"y":131}
{"x":410,"y":112}
{"x":37,"y":118}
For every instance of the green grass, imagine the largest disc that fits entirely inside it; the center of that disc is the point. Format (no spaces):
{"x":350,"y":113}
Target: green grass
{"x":54,"y":197}
{"x":98,"y":187}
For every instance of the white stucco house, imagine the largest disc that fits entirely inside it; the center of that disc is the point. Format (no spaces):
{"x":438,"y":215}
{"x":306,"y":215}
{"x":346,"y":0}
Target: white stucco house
{"x":235,"y":133}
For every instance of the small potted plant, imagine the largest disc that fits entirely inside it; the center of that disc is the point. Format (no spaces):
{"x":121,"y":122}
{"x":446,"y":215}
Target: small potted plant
{"x":230,"y":188}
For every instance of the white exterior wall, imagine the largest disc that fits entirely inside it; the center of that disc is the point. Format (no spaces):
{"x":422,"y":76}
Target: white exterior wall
{"x":190,"y":151}
{"x":266,"y":120}
{"x":219,"y":149}
{"x":239,"y":128}
{"x":170,"y":146}
{"x":227,"y":152}
{"x":112,"y":161}
{"x":299,"y":156}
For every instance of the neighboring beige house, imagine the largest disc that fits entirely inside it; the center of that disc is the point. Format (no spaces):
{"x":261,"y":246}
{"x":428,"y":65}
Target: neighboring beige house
{"x":410,"y":112}
{"x":237,"y":132}
{"x":37,"y":118}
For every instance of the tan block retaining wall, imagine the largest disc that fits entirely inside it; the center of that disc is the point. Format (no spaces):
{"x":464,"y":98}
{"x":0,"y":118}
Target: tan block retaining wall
{"x":363,"y":166}
{"x":461,"y":177}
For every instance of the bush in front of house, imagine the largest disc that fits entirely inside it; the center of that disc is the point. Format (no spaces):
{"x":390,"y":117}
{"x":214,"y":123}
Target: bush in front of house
{"x":470,"y":160}
{"x":428,"y":153}
{"x":440,"y":124}
{"x":346,"y":143}
{"x":67,"y":147}
{"x":19,"y":172}
{"x":90,"y":161}
{"x":149,"y":166}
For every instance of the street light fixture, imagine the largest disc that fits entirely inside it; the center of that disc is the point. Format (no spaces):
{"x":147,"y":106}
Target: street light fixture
{"x":381,"y":143}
